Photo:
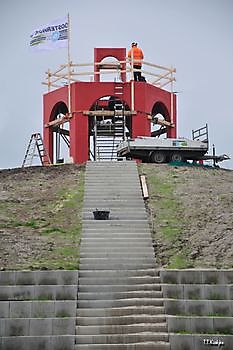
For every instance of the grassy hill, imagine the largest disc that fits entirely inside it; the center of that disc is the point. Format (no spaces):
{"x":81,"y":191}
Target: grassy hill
{"x":190,"y":210}
{"x":40,"y":217}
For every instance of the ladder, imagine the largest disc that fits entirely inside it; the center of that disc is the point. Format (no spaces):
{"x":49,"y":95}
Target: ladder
{"x":36,"y":148}
{"x":107,"y":136}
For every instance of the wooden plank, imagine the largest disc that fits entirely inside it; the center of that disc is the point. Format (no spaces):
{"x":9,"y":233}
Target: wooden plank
{"x":159,"y":121}
{"x":144,"y":187}
{"x":58,"y":70}
{"x":50,"y":84}
{"x":108,"y":113}
{"x":171,"y":69}
{"x":59,"y":121}
{"x":110,"y":66}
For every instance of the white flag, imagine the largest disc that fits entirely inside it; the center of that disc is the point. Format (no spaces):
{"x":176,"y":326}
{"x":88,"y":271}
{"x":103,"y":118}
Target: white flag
{"x":50,"y":36}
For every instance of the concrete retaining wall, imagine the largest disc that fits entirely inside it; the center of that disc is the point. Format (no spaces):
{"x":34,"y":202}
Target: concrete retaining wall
{"x":198,"y":302}
{"x":38,"y":310}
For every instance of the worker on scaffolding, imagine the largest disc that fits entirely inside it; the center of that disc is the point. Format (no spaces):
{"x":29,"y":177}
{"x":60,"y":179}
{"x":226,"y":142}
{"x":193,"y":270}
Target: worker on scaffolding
{"x":135,"y":54}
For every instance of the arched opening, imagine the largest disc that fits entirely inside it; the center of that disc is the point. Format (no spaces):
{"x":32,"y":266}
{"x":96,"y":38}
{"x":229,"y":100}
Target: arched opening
{"x":61,"y":133}
{"x":159,"y":114}
{"x":109,"y":64}
{"x":108,"y":127}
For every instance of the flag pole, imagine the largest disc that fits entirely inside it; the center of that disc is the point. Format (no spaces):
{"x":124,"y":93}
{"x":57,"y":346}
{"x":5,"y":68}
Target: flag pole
{"x":69,"y":67}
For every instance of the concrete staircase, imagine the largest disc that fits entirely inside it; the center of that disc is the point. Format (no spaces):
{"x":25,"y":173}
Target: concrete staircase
{"x":120,"y":303}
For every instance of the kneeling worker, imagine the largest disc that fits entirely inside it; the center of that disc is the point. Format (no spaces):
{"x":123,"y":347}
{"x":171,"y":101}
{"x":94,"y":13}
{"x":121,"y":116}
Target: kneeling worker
{"x":136,"y":53}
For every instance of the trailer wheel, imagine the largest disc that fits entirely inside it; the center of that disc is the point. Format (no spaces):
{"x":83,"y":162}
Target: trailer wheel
{"x":158,"y":157}
{"x":176,"y":157}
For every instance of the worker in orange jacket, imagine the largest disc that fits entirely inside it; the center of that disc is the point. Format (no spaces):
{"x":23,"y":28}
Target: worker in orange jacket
{"x":137,"y":55}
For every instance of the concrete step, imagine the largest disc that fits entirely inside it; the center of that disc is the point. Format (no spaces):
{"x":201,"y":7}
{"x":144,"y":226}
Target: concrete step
{"x":118,"y":216}
{"x":115,"y":260}
{"x":119,"y":295}
{"x":108,"y":167}
{"x":118,"y":280}
{"x":120,"y":320}
{"x":104,"y":226}
{"x":118,"y":288}
{"x":135,"y":195}
{"x":121,"y":338}
{"x":113,"y":255}
{"x":122,"y":223}
{"x":115,"y":196}
{"x":114,"y":241}
{"x":113,"y":185}
{"x":121,"y":329}
{"x":126,"y":346}
{"x":139,"y":209}
{"x":116,"y":223}
{"x":99,"y":183}
{"x":117,"y":266}
{"x":111,"y":233}
{"x":89,"y":243}
{"x":111,"y":170}
{"x":120,"y":303}
{"x":117,"y":190}
{"x":113,"y":173}
{"x":113,"y":203}
{"x":121,"y":228}
{"x":110,"y":164}
{"x":123,"y":231}
{"x":122,"y":245}
{"x":115,"y":249}
{"x":87,"y":252}
{"x":121,"y":311}
{"x":118,"y":273}
{"x":122,"y":238}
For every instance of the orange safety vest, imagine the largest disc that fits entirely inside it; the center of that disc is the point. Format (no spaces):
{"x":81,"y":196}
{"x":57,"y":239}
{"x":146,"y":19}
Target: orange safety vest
{"x":137,"y":54}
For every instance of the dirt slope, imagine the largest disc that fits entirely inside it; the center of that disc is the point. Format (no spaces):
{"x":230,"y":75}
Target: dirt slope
{"x":192,"y":215}
{"x":40,"y":221}
{"x":190,"y":208}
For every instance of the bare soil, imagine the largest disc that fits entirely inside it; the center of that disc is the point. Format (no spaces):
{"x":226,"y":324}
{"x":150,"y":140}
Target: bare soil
{"x":191,"y":211}
{"x":40,"y":221}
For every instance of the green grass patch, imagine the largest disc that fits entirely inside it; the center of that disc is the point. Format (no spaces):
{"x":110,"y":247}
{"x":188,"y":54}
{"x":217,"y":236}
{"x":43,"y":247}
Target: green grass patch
{"x":179,"y":261}
{"x":183,"y":331}
{"x":166,"y":217}
{"x":29,"y":223}
{"x":52,"y":230}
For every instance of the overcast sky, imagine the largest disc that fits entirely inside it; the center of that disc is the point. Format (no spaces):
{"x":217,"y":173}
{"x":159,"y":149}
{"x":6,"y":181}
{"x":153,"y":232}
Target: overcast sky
{"x":195,"y":36}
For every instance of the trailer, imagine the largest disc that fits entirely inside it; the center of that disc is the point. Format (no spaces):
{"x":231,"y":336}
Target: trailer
{"x":155,"y":150}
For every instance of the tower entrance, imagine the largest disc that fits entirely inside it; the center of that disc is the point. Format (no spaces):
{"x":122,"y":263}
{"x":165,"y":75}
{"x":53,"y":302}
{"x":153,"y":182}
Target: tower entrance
{"x":109,"y":124}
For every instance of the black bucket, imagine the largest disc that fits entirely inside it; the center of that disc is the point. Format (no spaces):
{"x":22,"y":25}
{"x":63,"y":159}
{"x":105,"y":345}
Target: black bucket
{"x":101,"y":214}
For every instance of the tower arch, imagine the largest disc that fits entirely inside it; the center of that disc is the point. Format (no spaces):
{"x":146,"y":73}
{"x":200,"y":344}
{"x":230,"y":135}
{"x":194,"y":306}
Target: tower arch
{"x":59,"y":134}
{"x":159,"y":112}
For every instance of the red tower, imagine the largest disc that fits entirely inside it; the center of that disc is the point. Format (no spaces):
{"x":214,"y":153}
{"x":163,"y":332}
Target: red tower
{"x":105,"y":106}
